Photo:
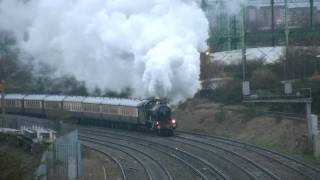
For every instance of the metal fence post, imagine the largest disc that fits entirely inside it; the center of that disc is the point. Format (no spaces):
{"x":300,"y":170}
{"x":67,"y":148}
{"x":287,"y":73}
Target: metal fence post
{"x":272,"y":23}
{"x":309,"y":125}
{"x":3,"y":104}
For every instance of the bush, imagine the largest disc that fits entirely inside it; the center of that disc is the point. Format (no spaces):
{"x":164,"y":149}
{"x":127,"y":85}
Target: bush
{"x":125,"y":93}
{"x":229,"y":93}
{"x":249,"y":114}
{"x":263,"y":78}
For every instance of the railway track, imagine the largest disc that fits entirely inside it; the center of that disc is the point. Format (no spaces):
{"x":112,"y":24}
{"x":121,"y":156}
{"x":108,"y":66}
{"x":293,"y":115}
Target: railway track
{"x":106,"y":153}
{"x":186,"y":159}
{"x":153,"y":169}
{"x":131,"y":166}
{"x":252,"y":172}
{"x":301,"y":169}
{"x":204,"y":157}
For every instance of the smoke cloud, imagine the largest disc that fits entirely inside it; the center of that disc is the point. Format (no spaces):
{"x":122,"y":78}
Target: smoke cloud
{"x":234,"y":6}
{"x":151,"y":46}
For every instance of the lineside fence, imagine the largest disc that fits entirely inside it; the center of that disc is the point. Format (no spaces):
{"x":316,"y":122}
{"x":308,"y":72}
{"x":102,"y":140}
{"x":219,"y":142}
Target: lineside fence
{"x":62,"y":160}
{"x":16,"y":122}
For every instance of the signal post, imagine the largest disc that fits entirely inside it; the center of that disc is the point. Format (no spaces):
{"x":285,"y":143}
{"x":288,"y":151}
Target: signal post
{"x":3,"y":108}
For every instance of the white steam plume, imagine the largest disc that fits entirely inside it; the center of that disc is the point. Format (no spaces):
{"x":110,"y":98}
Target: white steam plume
{"x":150,"y":45}
{"x":234,"y":6}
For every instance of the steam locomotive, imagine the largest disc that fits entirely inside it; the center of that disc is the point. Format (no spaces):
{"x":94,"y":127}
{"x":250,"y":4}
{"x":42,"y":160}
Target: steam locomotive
{"x":151,"y":114}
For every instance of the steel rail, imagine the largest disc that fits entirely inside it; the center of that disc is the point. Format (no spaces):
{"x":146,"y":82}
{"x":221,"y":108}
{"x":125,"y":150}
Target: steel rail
{"x":196,"y":171}
{"x":133,"y":149}
{"x":263,"y":152}
{"x":213,"y":168}
{"x":124,"y":176}
{"x":128,"y":154}
{"x":264,"y":170}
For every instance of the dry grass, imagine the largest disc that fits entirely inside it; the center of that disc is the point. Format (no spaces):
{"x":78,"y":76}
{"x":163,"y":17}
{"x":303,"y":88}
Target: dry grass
{"x":204,"y":116}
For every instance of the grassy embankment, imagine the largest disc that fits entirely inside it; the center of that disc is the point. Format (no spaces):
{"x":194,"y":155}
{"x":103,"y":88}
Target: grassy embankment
{"x":242,"y":123}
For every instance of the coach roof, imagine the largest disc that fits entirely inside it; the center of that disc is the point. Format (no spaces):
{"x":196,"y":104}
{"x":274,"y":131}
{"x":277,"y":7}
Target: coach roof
{"x":35,"y":97}
{"x":122,"y":102}
{"x":93,"y":100}
{"x":74,"y":98}
{"x":14,"y":96}
{"x":55,"y":98}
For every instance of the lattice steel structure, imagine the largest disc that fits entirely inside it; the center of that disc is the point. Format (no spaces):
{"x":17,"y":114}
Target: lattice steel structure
{"x":264,"y":23}
{"x":261,"y":23}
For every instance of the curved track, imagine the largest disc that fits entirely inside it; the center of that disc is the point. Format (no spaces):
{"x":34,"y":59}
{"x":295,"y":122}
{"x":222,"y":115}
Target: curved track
{"x":116,"y":161}
{"x":197,"y":156}
{"x":266,"y":156}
